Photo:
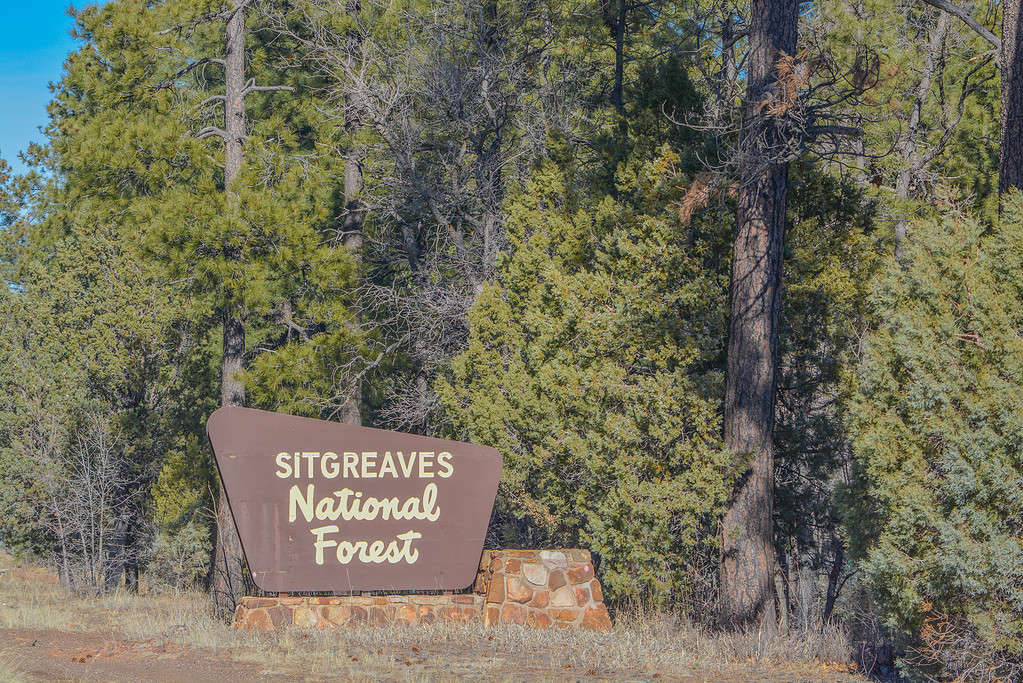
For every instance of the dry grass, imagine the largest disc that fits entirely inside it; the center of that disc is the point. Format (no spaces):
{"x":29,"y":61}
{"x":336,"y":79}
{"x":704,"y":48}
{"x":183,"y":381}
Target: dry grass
{"x":10,"y":670}
{"x":642,"y":646}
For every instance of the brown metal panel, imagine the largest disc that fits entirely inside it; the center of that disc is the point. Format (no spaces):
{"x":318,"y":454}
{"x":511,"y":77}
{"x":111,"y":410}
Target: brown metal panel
{"x":344,"y":536}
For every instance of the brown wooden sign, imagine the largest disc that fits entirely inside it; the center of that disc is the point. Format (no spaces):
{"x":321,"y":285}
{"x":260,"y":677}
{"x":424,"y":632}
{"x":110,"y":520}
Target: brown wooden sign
{"x":324,"y":506}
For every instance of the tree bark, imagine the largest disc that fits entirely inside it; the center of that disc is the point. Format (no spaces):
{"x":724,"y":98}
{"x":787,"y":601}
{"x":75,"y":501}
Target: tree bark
{"x":355,"y":214}
{"x":783,"y":600}
{"x":807,"y":580}
{"x":228,"y":561}
{"x":915,"y":129}
{"x":131,"y":566}
{"x":1010,"y":155}
{"x":728,"y":67}
{"x":617,"y":95}
{"x":833,"y":581}
{"x":351,"y":413}
{"x":116,"y":555}
{"x":746,"y":572}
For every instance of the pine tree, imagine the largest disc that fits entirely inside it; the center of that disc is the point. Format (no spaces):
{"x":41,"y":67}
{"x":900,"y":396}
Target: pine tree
{"x":124,"y":163}
{"x":260,"y":247}
{"x":938,"y":106}
{"x":747,"y":563}
{"x":95,"y":334}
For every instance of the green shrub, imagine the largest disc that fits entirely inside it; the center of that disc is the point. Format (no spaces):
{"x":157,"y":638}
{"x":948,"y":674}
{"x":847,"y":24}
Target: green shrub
{"x":589,"y":367}
{"x":181,"y":558}
{"x":935,"y":514}
{"x":182,"y":513}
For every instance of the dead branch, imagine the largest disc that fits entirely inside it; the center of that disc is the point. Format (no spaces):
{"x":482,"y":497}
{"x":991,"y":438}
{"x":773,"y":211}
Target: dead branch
{"x":963,"y":15}
{"x":185,"y":70}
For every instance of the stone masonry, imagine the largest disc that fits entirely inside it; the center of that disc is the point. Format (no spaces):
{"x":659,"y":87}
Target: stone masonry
{"x":542,"y":589}
{"x":268,"y":614}
{"x":535,"y":588}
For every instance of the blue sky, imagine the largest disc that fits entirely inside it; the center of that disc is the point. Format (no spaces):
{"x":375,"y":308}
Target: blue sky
{"x":34,"y":40}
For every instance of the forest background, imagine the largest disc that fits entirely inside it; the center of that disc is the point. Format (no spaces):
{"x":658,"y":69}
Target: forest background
{"x":735,"y":289}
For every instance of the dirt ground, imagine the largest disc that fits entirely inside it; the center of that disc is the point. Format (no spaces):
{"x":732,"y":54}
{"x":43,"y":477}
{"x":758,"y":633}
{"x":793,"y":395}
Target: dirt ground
{"x":46,"y":636}
{"x":49,"y":655}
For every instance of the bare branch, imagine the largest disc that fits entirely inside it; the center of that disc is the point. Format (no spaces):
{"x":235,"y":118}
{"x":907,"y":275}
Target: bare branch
{"x":166,"y":83}
{"x":266,"y":88}
{"x":210,"y":131}
{"x":210,"y":100}
{"x":845,"y":131}
{"x":966,"y":18}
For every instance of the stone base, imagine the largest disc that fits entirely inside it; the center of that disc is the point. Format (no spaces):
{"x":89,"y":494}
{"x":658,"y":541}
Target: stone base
{"x":537,"y":588}
{"x":543,"y":589}
{"x":267,"y":614}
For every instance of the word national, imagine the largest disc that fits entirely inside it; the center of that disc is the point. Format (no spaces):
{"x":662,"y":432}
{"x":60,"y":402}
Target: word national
{"x":349,"y":505}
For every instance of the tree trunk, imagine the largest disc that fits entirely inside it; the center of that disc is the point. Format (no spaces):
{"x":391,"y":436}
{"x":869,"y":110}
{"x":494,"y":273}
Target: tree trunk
{"x":1010,"y":155}
{"x":833,"y":581}
{"x":355,"y":214}
{"x":64,"y":570}
{"x":807,"y":585}
{"x":915,"y":130}
{"x":617,"y":94}
{"x":747,"y":529}
{"x":728,"y":67}
{"x":783,"y":600}
{"x":116,"y":554}
{"x":351,"y":413}
{"x":228,"y":562}
{"x":131,"y":560}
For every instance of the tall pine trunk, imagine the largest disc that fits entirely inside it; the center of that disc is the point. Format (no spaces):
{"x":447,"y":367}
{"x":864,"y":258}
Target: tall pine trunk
{"x":1010,"y":155}
{"x":617,"y":94}
{"x":228,"y":562}
{"x":746,"y":591}
{"x":355,"y":212}
{"x":351,"y":412}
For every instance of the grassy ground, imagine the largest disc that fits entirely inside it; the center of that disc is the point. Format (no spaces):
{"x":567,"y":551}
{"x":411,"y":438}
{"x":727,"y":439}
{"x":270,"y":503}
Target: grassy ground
{"x":173,"y":637}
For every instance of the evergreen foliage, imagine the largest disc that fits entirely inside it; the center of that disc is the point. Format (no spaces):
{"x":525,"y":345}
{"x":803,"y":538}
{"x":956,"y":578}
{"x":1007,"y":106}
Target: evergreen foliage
{"x":588,"y":367}
{"x":936,"y":507}
{"x":832,"y":256}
